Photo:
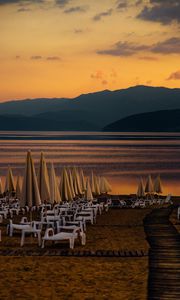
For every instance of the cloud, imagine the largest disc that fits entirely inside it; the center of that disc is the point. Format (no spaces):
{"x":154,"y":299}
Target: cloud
{"x":75,"y":9}
{"x":104,"y":82}
{"x":53,"y":58}
{"x":169,"y":46}
{"x":62,"y":3}
{"x":36,"y":57}
{"x":77,"y":31}
{"x":99,"y":16}
{"x":150,"y":58}
{"x":6,"y":2}
{"x":123,"y":49}
{"x":122,"y":4}
{"x":163,"y":11}
{"x":23,"y":9}
{"x":104,"y":78}
{"x":97,"y":75}
{"x":174,"y":76}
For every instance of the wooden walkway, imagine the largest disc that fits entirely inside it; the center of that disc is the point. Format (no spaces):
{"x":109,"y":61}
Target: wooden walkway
{"x":164,"y":256}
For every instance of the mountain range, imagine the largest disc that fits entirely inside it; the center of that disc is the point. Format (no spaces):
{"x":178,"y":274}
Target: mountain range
{"x":89,"y":112}
{"x":158,"y":121}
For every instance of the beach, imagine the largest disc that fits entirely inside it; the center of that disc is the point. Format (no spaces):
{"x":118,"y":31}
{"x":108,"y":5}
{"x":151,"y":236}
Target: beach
{"x":57,"y":277}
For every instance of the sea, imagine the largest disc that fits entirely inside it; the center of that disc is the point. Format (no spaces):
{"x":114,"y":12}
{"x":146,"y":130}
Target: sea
{"x":121,"y":157}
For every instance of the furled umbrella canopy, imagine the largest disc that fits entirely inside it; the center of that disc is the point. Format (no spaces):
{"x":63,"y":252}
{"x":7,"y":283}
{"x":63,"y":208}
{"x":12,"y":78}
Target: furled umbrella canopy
{"x":88,"y":193}
{"x":76,"y":182}
{"x":54,"y":189}
{"x":92,"y":183}
{"x":43,"y":180}
{"x":141,"y":190}
{"x":158,"y":185}
{"x":96,"y":186}
{"x":149,"y":185}
{"x":104,"y":186}
{"x":71,"y":182}
{"x":83,"y":182}
{"x":1,"y":187}
{"x":18,"y":189}
{"x":30,"y":190}
{"x":65,"y":189}
{"x":10,"y":185}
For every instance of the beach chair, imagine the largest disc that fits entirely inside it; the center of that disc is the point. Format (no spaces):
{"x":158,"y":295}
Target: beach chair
{"x":61,"y":236}
{"x":35,"y":228}
{"x":168,"y":199}
{"x":11,"y":227}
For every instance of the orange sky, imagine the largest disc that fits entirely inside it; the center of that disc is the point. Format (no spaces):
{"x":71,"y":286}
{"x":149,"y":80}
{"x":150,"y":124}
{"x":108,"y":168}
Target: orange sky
{"x":62,"y":48}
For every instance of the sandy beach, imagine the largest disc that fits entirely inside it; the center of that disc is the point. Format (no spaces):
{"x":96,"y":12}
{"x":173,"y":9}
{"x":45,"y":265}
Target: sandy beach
{"x":82,"y":277}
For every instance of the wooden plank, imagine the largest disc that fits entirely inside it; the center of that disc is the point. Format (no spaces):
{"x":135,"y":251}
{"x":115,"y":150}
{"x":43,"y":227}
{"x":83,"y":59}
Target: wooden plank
{"x":164,"y":256}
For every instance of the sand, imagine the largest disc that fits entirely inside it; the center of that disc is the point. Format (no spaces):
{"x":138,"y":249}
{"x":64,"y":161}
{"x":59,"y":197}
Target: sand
{"x":87,"y":278}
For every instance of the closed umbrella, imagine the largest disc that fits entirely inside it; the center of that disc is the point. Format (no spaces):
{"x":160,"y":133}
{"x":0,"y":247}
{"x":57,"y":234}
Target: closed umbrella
{"x":10,"y":185}
{"x":30,"y":190}
{"x":71,"y":182}
{"x":158,"y":185}
{"x":88,"y":193}
{"x":141,"y":190}
{"x":149,"y":186}
{"x":83,"y":182}
{"x":43,"y":180}
{"x":76,"y":182}
{"x":92,"y":183}
{"x":54,"y":189}
{"x":96,"y":186}
{"x":65,"y":189}
{"x":1,"y":187}
{"x":105,"y":187}
{"x":18,"y":189}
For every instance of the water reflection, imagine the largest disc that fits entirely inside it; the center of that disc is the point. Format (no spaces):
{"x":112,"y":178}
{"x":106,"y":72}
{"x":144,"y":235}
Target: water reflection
{"x":122,"y":157}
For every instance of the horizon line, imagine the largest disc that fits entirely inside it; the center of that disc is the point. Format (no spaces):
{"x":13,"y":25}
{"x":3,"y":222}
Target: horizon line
{"x":88,"y":93}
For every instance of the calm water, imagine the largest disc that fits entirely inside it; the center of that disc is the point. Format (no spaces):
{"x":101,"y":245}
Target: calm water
{"x":121,"y":157}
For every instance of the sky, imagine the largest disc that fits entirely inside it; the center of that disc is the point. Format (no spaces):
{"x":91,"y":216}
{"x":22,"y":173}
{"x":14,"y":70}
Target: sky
{"x":63,"y":48}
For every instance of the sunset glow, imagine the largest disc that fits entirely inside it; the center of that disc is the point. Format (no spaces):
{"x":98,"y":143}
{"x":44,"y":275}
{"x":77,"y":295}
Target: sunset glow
{"x":64,"y":48}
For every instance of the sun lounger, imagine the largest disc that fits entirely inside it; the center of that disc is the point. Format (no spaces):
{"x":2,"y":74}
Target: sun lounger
{"x":61,"y":236}
{"x":34,"y":228}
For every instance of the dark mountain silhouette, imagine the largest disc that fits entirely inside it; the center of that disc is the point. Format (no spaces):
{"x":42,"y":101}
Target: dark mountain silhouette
{"x":165,"y":120}
{"x":95,"y":110}
{"x":18,"y":122}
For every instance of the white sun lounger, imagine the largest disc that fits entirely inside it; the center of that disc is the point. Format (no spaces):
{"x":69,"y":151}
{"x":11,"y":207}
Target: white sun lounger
{"x":61,"y":236}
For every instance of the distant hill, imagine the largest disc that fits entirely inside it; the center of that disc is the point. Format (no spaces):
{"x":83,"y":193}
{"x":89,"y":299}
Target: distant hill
{"x":37,"y":123}
{"x":165,"y":120}
{"x":93,"y":111}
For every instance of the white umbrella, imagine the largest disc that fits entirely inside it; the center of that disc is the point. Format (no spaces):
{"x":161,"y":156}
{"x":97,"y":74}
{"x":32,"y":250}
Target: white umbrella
{"x":10,"y":185}
{"x":104,"y":186}
{"x":1,"y":187}
{"x":158,"y":185}
{"x":54,"y":189}
{"x":18,"y":189}
{"x":30,"y":190}
{"x":71,"y":182}
{"x":43,"y":180}
{"x":76,"y":182}
{"x":149,"y":185}
{"x":88,"y":193}
{"x":140,"y":191}
{"x":96,"y":186}
{"x":83,"y":182}
{"x":92,"y":183}
{"x":65,"y":189}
